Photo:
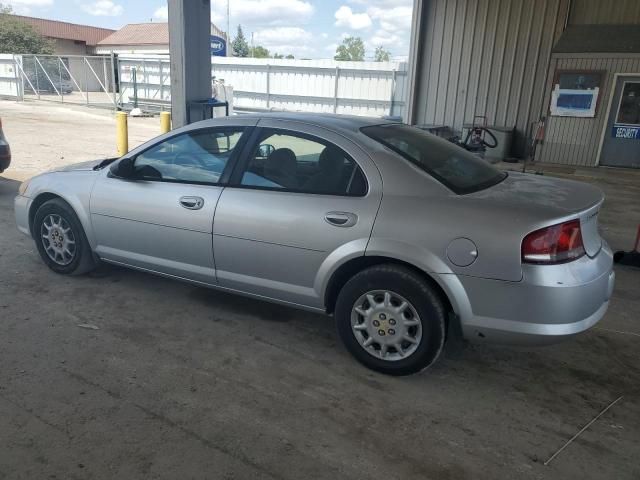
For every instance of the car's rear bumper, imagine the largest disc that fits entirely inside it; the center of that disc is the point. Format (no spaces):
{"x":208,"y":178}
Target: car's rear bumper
{"x":552,"y":302}
{"x":21,"y":209}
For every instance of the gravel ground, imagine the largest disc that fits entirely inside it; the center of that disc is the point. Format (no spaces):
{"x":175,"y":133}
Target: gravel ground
{"x":121,"y":374}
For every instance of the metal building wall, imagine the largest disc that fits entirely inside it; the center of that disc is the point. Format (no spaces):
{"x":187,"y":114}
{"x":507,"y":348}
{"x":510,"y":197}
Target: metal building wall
{"x":598,"y":12}
{"x":573,"y":140}
{"x":485,"y":57}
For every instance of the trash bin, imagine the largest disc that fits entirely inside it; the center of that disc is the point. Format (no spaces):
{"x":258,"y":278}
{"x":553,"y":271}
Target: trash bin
{"x":504,"y":136}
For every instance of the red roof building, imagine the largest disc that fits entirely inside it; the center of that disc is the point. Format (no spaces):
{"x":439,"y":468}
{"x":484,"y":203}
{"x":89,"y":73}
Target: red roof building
{"x":68,"y":38}
{"x":140,"y":38}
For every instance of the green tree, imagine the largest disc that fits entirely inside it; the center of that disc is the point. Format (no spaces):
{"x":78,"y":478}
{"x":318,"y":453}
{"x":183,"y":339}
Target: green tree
{"x":351,"y":49}
{"x":278,"y":55}
{"x":239,"y":45}
{"x":20,"y":37}
{"x":290,"y":57}
{"x":259,"y":52}
{"x":382,"y":55}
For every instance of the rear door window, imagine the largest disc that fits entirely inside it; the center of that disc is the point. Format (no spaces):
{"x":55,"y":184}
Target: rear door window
{"x":290,"y":161}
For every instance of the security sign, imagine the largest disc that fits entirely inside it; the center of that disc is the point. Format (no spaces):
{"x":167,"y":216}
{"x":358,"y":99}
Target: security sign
{"x":218,"y":46}
{"x":626,"y":131}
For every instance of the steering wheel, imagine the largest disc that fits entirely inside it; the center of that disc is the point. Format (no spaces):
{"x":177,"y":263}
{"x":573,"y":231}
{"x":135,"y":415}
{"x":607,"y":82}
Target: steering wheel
{"x":483,"y":141}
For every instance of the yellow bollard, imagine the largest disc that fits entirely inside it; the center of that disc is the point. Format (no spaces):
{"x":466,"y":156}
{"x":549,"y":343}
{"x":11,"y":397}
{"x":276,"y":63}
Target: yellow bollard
{"x":165,"y":122}
{"x":122,"y":133}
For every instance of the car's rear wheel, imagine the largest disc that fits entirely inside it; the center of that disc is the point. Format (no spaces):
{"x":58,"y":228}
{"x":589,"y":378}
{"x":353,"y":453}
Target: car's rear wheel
{"x":391,"y":320}
{"x":61,"y":240}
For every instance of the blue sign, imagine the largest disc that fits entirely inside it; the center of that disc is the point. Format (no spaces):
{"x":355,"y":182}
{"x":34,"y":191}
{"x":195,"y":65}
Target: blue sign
{"x":626,"y":132}
{"x":218,"y":46}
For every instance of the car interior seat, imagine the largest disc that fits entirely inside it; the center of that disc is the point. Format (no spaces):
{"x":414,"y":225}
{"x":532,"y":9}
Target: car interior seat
{"x":281,"y":168}
{"x":329,"y":178}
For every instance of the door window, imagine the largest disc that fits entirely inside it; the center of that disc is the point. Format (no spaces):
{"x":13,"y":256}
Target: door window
{"x":629,"y":110}
{"x":194,"y":157}
{"x":300,"y":163}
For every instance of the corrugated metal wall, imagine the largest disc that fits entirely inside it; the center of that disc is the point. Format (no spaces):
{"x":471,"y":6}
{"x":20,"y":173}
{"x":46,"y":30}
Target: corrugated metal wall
{"x":597,"y":12}
{"x":576,"y":141}
{"x":486,"y":57}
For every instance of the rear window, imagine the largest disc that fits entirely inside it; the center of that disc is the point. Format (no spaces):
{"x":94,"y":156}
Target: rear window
{"x":457,"y":169}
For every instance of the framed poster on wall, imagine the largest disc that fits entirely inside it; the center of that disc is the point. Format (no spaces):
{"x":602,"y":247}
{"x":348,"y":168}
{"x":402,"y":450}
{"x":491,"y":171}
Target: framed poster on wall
{"x":576,"y":93}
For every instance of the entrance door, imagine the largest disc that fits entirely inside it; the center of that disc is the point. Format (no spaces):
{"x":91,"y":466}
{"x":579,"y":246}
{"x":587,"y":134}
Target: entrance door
{"x":621,"y":147}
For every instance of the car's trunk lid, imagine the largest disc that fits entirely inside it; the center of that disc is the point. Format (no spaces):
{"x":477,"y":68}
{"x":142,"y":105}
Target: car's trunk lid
{"x":536,"y":201}
{"x":557,"y":198}
{"x":590,"y":234}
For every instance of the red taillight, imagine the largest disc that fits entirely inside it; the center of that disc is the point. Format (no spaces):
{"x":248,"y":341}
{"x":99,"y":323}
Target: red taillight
{"x":555,"y":244}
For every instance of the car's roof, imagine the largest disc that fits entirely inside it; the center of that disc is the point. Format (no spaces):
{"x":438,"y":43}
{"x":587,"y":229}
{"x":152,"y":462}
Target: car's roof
{"x":350,"y":123}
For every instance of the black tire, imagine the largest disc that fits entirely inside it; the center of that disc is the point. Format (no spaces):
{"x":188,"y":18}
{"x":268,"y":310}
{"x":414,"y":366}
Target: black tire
{"x":83,"y":260}
{"x":422,"y":297}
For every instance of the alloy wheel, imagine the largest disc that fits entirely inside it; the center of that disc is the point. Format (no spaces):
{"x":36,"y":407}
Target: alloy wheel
{"x":58,"y":239}
{"x":386,"y":325}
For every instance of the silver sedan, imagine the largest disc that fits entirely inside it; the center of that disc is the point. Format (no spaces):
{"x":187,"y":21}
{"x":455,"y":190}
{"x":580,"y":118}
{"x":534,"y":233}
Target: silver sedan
{"x":401,"y":235}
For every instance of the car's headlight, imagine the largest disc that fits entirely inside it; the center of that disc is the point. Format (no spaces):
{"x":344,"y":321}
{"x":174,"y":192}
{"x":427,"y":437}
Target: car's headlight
{"x":23,"y":187}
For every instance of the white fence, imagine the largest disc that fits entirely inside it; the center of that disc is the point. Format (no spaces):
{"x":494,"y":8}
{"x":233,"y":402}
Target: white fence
{"x":355,"y":88}
{"x":9,"y":84}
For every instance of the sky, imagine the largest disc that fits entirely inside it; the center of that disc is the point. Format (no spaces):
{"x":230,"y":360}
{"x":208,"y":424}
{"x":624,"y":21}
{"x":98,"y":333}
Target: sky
{"x":304,"y":28}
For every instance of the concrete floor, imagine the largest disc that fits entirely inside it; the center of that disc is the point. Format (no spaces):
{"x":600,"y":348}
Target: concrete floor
{"x":183,"y":382}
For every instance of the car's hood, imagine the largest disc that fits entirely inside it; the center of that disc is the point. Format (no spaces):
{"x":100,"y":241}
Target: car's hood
{"x":82,"y":166}
{"x":541,"y":194}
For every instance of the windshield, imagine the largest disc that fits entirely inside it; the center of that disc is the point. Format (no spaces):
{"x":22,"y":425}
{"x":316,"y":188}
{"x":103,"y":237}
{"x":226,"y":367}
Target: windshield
{"x":451,"y":165}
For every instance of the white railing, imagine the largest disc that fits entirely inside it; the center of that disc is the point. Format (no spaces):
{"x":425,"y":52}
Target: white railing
{"x":9,"y":84}
{"x":355,"y":88}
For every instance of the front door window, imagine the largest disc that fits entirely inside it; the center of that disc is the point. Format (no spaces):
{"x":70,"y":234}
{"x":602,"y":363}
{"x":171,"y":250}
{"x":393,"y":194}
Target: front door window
{"x":194,"y":157}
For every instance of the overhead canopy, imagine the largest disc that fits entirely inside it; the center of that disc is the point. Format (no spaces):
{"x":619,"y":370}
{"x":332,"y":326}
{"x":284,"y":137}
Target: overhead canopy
{"x":599,"y":39}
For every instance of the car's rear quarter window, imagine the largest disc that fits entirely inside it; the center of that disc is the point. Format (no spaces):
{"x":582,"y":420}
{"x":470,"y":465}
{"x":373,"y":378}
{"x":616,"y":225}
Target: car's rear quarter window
{"x":457,"y":169}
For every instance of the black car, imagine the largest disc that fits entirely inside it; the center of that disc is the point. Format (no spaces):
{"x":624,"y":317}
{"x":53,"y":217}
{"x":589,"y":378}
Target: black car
{"x":5,"y":151}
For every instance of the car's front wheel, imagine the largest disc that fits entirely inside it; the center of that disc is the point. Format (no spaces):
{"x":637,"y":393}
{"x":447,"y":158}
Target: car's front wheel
{"x":61,"y":240}
{"x":391,"y":320}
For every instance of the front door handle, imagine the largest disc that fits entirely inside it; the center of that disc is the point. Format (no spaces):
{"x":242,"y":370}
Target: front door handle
{"x":192,"y":203}
{"x":341,"y":219}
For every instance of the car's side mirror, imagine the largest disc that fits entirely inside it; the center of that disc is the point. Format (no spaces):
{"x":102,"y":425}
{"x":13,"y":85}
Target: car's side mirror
{"x":123,"y":168}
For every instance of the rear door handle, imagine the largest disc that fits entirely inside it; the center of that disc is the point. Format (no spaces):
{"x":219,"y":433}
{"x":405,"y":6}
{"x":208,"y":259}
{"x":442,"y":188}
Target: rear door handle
{"x":341,"y":219}
{"x":192,"y":203}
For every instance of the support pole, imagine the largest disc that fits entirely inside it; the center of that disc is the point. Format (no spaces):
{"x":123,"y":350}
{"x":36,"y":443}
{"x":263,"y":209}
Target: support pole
{"x":165,"y":122}
{"x":122,"y":133}
{"x":113,"y":80}
{"x":189,"y":48}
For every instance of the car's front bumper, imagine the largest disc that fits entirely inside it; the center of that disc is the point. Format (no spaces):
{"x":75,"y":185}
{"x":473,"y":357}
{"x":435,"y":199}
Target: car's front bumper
{"x":21,"y":208}
{"x":552,"y":302}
